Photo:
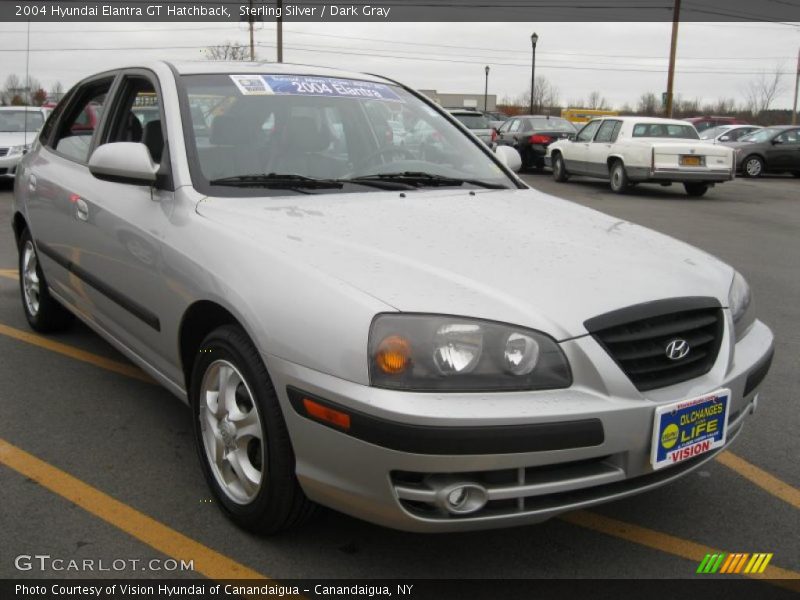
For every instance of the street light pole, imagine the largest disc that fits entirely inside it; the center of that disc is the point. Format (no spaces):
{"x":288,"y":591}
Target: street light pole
{"x":534,"y":39}
{"x":486,"y":89}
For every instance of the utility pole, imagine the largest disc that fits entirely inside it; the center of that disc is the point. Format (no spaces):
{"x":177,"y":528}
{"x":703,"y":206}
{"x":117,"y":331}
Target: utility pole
{"x":280,"y":31}
{"x":676,"y":15}
{"x":796,"y":83}
{"x":250,"y":20}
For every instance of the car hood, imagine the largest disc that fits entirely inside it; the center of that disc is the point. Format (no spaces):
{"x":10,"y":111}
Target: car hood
{"x":16,"y":138}
{"x":517,"y":256}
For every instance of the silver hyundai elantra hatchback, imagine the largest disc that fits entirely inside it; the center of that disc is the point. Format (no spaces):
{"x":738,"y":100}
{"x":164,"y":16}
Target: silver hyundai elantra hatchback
{"x":404,"y":332}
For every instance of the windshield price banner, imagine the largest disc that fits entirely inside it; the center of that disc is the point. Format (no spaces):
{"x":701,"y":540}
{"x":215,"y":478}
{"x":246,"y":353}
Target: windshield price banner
{"x":304,"y":85}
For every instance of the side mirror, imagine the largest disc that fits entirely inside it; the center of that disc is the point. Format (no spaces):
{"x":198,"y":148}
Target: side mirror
{"x":725,"y":138}
{"x":123,"y":162}
{"x":509,"y":157}
{"x":776,"y":141}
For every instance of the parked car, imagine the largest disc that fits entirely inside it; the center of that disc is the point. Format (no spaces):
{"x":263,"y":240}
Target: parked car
{"x":703,"y":123}
{"x":424,"y":342}
{"x":496,"y":118}
{"x":18,"y":128}
{"x":722,"y":134}
{"x":769,"y":150}
{"x":530,"y":135}
{"x":477,"y":123}
{"x":630,"y":150}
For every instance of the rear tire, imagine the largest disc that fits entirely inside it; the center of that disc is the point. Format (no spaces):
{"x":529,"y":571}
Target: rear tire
{"x":696,"y":189}
{"x":559,"y":168}
{"x":242,"y":440}
{"x":753,"y":166}
{"x":43,"y":312}
{"x":618,"y":178}
{"x":796,"y":173}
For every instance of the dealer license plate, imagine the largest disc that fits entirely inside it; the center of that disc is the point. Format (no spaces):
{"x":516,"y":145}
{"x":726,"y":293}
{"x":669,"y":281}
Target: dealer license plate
{"x":691,"y":161}
{"x":688,"y":428}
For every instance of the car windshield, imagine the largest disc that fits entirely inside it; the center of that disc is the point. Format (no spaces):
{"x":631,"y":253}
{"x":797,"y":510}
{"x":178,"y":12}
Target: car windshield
{"x":473,"y":121}
{"x":20,"y":120}
{"x":665,"y":130}
{"x":710,"y":134}
{"x":321,"y":128}
{"x":552,"y":124}
{"x":762,"y":135}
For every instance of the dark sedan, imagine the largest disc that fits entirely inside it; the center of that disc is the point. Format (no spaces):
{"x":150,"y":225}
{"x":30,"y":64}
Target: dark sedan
{"x":770,"y":150}
{"x":532,"y":134}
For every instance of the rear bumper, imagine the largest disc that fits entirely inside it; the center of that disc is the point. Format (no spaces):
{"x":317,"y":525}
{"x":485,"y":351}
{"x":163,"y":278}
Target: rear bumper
{"x":427,"y":443}
{"x":680,"y":175}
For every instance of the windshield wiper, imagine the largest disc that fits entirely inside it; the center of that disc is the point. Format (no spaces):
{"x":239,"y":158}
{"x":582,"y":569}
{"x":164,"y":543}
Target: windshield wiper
{"x":277,"y":180}
{"x":420,"y":178}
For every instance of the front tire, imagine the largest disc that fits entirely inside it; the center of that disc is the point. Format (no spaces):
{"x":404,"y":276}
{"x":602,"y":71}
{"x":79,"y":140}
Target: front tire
{"x":559,"y":168}
{"x":241,"y":436}
{"x":753,"y":166}
{"x":618,"y":178}
{"x":696,"y":189}
{"x":43,"y":312}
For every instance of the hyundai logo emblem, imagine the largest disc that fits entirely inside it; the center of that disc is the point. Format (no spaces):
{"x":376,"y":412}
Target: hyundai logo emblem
{"x":677,"y":349}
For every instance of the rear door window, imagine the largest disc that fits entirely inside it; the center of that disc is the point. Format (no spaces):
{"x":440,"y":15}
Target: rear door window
{"x":76,"y":131}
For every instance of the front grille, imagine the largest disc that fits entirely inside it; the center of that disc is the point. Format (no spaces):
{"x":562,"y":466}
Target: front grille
{"x":639,"y":346}
{"x":3,"y":151}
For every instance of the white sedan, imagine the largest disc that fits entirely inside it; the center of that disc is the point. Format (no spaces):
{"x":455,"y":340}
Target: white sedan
{"x":630,"y":150}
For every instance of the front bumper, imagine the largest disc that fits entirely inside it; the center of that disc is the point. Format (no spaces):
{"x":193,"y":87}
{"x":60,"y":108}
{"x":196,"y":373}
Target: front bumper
{"x":8,"y":165}
{"x":396,"y":483}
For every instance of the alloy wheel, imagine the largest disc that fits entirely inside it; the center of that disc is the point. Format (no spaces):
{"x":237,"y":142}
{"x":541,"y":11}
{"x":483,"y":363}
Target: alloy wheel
{"x":233,"y":437}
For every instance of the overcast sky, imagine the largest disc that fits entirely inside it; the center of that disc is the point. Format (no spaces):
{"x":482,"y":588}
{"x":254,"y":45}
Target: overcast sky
{"x":621,"y":60}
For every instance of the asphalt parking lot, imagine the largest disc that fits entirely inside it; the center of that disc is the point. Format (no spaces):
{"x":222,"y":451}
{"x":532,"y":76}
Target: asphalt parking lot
{"x":96,"y":462}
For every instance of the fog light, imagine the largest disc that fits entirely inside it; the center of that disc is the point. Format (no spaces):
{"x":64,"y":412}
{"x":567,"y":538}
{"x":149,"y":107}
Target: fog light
{"x":463,"y":498}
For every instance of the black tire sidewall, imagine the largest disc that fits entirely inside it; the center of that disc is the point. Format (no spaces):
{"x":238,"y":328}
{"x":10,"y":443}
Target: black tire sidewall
{"x":51,"y":315}
{"x":231,"y":343}
{"x":623,"y":177}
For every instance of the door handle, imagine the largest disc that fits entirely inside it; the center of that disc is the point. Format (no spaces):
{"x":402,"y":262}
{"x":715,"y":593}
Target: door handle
{"x":81,"y":209}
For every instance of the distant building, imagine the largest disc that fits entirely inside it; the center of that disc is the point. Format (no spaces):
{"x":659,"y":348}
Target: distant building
{"x":462,"y":100}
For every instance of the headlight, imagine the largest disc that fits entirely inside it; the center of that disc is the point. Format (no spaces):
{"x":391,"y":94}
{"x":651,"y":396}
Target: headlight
{"x":740,"y":302}
{"x":14,"y":150}
{"x":443,"y":353}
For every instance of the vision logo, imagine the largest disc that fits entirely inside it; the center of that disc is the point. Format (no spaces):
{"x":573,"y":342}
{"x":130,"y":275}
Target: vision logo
{"x":734,"y":563}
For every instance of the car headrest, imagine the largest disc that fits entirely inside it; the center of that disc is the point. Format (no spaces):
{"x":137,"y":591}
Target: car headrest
{"x":302,"y":134}
{"x":153,"y":138}
{"x":133,"y":128}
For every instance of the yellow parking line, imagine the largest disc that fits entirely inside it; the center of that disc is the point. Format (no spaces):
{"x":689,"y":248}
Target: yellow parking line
{"x":99,"y":361}
{"x":9,"y":274}
{"x":670,"y":544}
{"x":207,"y":562}
{"x":769,"y":483}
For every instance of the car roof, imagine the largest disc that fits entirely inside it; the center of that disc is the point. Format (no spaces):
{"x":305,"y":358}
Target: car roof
{"x":646,"y":120}
{"x":464,"y":111}
{"x":200,"y":67}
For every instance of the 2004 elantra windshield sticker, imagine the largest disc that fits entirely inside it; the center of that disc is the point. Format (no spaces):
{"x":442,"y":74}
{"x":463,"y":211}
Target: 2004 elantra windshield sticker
{"x":303,"y":85}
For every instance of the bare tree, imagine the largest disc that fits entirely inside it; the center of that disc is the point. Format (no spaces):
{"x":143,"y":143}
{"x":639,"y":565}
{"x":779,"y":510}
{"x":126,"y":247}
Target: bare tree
{"x":56,"y":91}
{"x":228,"y":51}
{"x":761,"y":92}
{"x":724,"y":106}
{"x":545,"y":96}
{"x":11,"y":88}
{"x":596,"y":101}
{"x":648,"y":104}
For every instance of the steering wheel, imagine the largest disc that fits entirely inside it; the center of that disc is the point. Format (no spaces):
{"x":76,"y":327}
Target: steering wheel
{"x":399,"y":150}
